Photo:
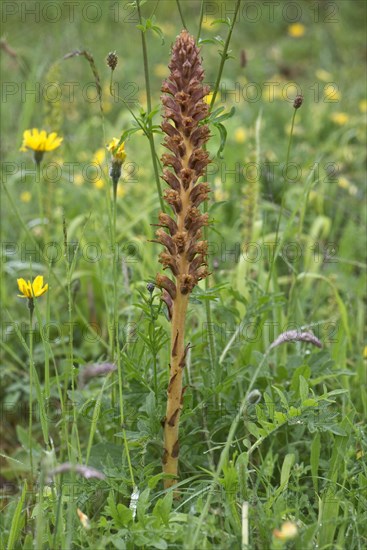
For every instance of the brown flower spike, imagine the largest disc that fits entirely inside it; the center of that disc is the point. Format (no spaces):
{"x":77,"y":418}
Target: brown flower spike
{"x":185,"y":252}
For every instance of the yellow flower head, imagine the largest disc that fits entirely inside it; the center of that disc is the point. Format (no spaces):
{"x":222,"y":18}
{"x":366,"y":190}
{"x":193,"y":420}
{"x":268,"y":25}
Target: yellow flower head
{"x":83,"y":518}
{"x":340,"y":118}
{"x":240,"y":135}
{"x":40,"y":141}
{"x":160,"y":70}
{"x":208,"y":98}
{"x":32,"y":290}
{"x":296,"y":30}
{"x":117,"y":151}
{"x":25,"y":196}
{"x":99,"y":156}
{"x":323,"y":75}
{"x":287,"y":531}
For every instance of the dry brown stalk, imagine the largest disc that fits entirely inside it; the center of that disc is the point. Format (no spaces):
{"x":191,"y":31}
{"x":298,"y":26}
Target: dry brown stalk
{"x":185,"y":254}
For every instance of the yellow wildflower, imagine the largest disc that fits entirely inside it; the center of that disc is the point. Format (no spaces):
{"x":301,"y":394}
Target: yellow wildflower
{"x":121,"y":192}
{"x":160,"y":70}
{"x":78,"y":180}
{"x":296,"y":30}
{"x":331,"y":93}
{"x":99,"y":183}
{"x":343,"y":182}
{"x":40,"y":141}
{"x":365,"y":352}
{"x":99,"y":156}
{"x":240,"y":135}
{"x":340,"y":118}
{"x":363,"y":105}
{"x":207,"y":23}
{"x":208,"y":98}
{"x":32,"y":290}
{"x":117,"y":151}
{"x":323,"y":75}
{"x":287,"y":531}
{"x":25,"y":196}
{"x":353,"y":190}
{"x":83,"y":518}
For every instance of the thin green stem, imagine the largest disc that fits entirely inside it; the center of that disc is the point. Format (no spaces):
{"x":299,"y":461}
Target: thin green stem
{"x":212,"y":353}
{"x":224,"y":54}
{"x":112,"y":92}
{"x":275,"y":250}
{"x":70,"y":375}
{"x":208,"y":312}
{"x":39,"y":193}
{"x":22,"y":224}
{"x":138,"y":122}
{"x":47,"y":352}
{"x":122,"y":416}
{"x":200,"y":21}
{"x":31,"y":367}
{"x":225,"y":452}
{"x":115,"y":330}
{"x":149,"y":110}
{"x":181,"y":14}
{"x":155,"y":375}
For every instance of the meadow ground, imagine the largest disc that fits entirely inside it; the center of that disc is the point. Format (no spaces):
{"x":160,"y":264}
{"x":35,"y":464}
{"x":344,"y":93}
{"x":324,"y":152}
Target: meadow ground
{"x":273,"y":426}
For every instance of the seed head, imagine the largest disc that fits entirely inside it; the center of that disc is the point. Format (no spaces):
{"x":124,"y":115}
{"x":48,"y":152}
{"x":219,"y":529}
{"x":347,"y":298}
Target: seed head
{"x":112,"y":60}
{"x":298,"y":102}
{"x":150,"y":287}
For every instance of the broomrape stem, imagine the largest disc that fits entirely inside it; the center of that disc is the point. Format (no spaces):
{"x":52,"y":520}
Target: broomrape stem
{"x":185,"y":253}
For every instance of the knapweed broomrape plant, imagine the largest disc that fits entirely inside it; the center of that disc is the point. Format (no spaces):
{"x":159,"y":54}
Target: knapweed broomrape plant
{"x":185,"y":254}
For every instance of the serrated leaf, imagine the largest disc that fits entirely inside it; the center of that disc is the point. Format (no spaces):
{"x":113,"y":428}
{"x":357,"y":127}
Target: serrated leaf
{"x":283,"y":398}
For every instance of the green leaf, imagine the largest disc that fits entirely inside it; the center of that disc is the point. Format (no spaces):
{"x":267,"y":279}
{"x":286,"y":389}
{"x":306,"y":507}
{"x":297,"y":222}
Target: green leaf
{"x":314,"y":459}
{"x":253,"y":429}
{"x":337,"y":430}
{"x":223,"y":138}
{"x":283,"y":398}
{"x":121,"y":514}
{"x":18,"y":520}
{"x":286,"y":469}
{"x":225,"y":116}
{"x":303,"y":388}
{"x":153,"y":481}
{"x":305,"y":371}
{"x":226,"y":21}
{"x":143,"y":504}
{"x":163,"y":507}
